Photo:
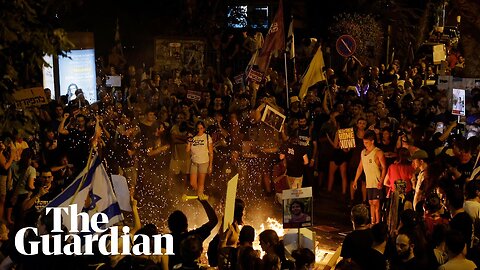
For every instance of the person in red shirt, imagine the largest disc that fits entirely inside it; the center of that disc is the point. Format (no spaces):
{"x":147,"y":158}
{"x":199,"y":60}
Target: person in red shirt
{"x":400,"y":173}
{"x":399,"y":186}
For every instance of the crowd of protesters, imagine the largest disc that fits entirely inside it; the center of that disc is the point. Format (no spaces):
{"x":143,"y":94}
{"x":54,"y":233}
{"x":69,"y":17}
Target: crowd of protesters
{"x":412,"y":161}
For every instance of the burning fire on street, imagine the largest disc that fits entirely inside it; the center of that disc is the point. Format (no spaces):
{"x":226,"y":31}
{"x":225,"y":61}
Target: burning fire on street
{"x":322,"y":256}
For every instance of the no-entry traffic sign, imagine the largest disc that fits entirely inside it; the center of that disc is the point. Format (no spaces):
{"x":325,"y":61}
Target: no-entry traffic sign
{"x":346,"y":45}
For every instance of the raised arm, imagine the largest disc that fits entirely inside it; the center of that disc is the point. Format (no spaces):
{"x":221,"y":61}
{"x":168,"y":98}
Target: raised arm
{"x":136,"y":217}
{"x":256,"y":115}
{"x":30,"y":201}
{"x":158,"y":150}
{"x":447,"y":131}
{"x":212,"y":216}
{"x":61,"y":128}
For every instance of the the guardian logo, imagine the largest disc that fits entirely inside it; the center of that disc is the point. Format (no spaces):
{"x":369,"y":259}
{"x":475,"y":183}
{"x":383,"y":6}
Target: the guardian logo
{"x":80,"y":242}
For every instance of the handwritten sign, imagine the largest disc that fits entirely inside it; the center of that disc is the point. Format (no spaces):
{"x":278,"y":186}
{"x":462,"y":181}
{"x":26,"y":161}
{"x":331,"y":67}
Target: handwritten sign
{"x":346,"y":137}
{"x":30,"y":97}
{"x":254,"y":75}
{"x":194,"y":95}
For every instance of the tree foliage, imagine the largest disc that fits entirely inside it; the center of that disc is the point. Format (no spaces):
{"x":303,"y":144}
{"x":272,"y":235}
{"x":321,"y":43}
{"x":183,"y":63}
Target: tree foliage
{"x":28,"y":30}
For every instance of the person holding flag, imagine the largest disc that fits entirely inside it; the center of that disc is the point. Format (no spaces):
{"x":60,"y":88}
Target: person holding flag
{"x":314,"y":73}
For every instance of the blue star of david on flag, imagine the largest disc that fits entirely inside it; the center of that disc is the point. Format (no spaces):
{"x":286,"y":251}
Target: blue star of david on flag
{"x":93,"y":201}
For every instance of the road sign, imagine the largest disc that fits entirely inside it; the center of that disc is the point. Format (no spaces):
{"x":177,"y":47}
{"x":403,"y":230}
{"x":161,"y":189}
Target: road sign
{"x":346,"y":45}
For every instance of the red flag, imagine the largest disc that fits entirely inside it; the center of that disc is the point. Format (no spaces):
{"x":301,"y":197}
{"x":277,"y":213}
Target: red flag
{"x":275,"y":39}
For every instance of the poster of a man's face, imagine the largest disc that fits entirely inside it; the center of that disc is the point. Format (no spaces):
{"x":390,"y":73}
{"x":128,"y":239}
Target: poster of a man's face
{"x":297,"y":208}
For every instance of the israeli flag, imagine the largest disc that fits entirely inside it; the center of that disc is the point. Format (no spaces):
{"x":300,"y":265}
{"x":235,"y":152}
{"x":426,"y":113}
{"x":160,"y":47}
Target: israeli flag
{"x":93,"y":193}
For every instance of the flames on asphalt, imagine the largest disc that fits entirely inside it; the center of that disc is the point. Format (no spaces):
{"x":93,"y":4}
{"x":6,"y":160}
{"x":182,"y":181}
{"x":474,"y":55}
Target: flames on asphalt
{"x":322,"y":256}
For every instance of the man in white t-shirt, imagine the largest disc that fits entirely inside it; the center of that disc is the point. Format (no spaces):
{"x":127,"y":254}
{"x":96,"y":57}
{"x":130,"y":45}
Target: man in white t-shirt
{"x":375,"y":167}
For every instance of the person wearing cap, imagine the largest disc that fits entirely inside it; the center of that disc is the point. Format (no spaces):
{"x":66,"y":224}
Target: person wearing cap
{"x":295,"y":110}
{"x":419,"y":163}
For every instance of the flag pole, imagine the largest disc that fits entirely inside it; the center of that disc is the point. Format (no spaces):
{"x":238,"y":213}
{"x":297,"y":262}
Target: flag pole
{"x":286,"y":78}
{"x":294,"y":70}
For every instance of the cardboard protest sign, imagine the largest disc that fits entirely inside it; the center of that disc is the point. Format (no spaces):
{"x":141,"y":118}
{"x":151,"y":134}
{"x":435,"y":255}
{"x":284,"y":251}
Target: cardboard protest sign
{"x":30,"y":97}
{"x":194,"y":95}
{"x":254,"y":75}
{"x":346,"y":138}
{"x":230,"y":202}
{"x":113,"y":81}
{"x":444,"y":82}
{"x":291,"y":239}
{"x":121,"y":190}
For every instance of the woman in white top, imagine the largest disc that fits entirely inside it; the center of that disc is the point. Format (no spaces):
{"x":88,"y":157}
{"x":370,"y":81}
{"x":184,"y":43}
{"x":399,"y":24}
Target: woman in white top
{"x":201,"y":150}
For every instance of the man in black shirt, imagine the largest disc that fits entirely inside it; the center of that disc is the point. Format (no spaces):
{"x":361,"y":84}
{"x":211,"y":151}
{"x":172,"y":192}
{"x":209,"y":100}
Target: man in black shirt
{"x":359,"y":241}
{"x":310,"y":146}
{"x":126,"y":150}
{"x":178,"y":225}
{"x":295,"y":158}
{"x":77,"y":137}
{"x":405,"y":259}
{"x":375,"y":258}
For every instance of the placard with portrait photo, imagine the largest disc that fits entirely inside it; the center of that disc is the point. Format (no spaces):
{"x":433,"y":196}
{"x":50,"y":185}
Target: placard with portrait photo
{"x":297,"y":208}
{"x":458,"y":102}
{"x":273,"y":118}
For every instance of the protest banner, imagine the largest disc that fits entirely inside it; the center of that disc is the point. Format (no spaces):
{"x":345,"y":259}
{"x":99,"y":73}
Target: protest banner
{"x":346,"y":138}
{"x":254,"y":75}
{"x":194,"y":95}
{"x":30,"y":97}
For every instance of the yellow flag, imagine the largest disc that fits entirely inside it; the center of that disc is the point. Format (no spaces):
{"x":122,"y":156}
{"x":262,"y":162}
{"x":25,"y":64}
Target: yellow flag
{"x":314,"y":73}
